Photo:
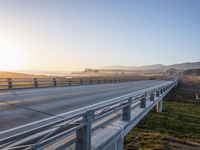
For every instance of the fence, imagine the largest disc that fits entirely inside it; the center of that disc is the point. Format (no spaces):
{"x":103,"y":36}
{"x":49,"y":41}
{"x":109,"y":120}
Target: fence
{"x":13,"y":83}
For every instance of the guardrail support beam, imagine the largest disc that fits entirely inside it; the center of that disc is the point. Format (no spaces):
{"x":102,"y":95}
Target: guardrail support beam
{"x":81,"y":82}
{"x":54,"y":82}
{"x":164,"y":89}
{"x":105,"y":81}
{"x":159,"y":106}
{"x":83,"y":135}
{"x":69,"y":82}
{"x":90,"y":81}
{"x":161,"y":91}
{"x":10,"y":83}
{"x":152,"y":96}
{"x":126,"y":112}
{"x":35,"y":83}
{"x":120,"y":144}
{"x":157,"y":93}
{"x":143,"y":101}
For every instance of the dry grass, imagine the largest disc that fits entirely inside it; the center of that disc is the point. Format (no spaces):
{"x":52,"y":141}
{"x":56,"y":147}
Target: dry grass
{"x":177,"y":128}
{"x":158,"y":141}
{"x":18,"y":75}
{"x":190,"y":80}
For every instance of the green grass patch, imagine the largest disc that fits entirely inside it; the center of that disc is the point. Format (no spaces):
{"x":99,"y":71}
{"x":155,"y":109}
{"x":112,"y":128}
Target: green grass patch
{"x":179,"y":120}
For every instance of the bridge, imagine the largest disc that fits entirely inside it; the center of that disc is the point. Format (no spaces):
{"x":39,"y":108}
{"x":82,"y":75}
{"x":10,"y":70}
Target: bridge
{"x":92,"y":117}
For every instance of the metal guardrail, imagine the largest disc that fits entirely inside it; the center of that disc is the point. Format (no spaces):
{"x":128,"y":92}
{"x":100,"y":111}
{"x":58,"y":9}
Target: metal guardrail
{"x":76,"y":128}
{"x":13,"y":83}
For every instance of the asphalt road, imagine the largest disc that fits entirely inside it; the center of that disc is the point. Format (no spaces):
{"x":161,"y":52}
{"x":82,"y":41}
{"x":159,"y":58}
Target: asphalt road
{"x":19,"y":107}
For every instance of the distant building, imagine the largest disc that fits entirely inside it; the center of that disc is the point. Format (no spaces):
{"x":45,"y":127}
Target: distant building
{"x":90,"y":70}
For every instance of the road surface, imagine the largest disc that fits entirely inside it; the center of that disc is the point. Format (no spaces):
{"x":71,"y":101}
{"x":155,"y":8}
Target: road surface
{"x":19,"y":107}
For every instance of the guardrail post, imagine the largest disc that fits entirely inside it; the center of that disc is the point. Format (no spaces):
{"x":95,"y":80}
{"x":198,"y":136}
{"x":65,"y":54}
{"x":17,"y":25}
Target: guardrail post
{"x":35,"y":82}
{"x":165,"y":88}
{"x":157,"y":93}
{"x":159,"y":106}
{"x":126,"y":112}
{"x":70,"y":82}
{"x":161,"y":91}
{"x":143,"y":101}
{"x":105,"y":81}
{"x":83,"y":135}
{"x":90,"y":81}
{"x":81,"y":82}
{"x":54,"y":82}
{"x":152,"y":96}
{"x":10,"y":83}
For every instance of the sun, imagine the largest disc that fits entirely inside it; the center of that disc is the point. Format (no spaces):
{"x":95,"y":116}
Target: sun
{"x":12,"y":55}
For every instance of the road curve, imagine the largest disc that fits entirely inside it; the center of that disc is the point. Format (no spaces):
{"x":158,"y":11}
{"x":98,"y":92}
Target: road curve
{"x":19,"y":107}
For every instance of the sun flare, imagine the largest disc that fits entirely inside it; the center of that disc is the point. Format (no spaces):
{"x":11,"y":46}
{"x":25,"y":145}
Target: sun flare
{"x":12,"y":55}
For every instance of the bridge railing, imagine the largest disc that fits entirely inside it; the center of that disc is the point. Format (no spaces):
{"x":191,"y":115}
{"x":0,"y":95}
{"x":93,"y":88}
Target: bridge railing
{"x":13,"y":83}
{"x":76,"y":128}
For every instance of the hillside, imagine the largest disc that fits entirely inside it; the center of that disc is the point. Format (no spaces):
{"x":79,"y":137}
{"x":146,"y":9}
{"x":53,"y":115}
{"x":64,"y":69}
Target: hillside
{"x":177,"y":127}
{"x":4,"y":74}
{"x":148,"y":67}
{"x":186,"y":66}
{"x":181,"y":66}
{"x":192,"y":72}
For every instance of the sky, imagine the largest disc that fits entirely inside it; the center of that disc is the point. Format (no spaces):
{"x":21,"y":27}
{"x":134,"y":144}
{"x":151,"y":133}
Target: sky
{"x":68,"y":35}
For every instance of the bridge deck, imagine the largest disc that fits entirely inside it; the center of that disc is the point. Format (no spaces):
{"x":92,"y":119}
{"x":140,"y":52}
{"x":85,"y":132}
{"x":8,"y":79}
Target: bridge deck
{"x":19,"y":107}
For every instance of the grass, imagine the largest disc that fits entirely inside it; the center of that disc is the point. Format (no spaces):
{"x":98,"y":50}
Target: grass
{"x":178,"y":126}
{"x":6,"y":75}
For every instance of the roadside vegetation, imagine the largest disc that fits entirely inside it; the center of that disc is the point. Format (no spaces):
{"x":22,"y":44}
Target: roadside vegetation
{"x":177,"y":127}
{"x":4,"y":74}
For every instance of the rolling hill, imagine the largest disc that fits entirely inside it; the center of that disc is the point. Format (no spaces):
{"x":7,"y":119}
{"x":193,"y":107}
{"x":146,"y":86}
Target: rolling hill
{"x":192,"y":72}
{"x":4,"y":74}
{"x":181,"y":66}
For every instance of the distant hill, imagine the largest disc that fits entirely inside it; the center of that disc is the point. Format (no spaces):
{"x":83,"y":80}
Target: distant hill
{"x":192,"y":72}
{"x":152,"y":67}
{"x":148,"y":67}
{"x":182,"y":66}
{"x":172,"y":72}
{"x":4,"y":74}
{"x":186,"y":66}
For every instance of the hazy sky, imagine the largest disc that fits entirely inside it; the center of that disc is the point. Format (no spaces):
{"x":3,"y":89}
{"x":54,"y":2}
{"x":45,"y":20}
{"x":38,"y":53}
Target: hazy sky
{"x":74,"y":34}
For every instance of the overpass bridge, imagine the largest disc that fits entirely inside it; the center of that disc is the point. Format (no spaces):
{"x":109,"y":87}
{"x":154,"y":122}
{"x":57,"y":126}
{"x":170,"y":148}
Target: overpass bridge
{"x":93,"y":117}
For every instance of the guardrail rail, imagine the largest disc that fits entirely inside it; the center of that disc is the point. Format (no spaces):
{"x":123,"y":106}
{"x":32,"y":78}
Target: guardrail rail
{"x":15,"y":83}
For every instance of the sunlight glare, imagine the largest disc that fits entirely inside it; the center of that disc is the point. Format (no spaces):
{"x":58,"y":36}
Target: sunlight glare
{"x":12,"y":55}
